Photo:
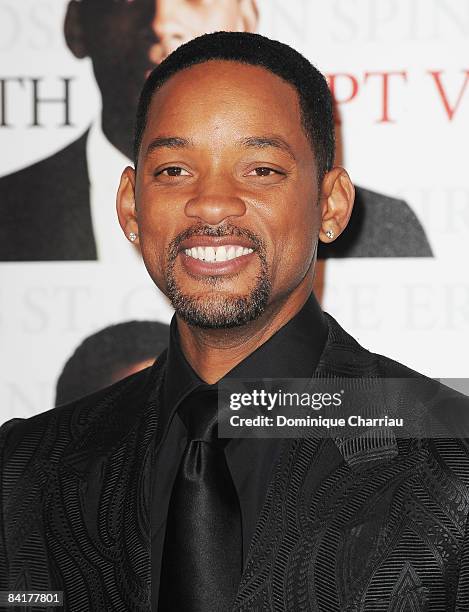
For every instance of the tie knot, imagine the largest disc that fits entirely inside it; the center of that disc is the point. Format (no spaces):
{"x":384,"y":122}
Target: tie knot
{"x":199,"y":413}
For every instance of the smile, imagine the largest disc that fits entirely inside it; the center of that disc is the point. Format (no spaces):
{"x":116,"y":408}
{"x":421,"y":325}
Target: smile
{"x":217,"y":254}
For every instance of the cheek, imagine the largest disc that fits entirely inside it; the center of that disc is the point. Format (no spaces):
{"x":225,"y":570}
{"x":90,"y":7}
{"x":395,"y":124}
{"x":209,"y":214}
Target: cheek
{"x":160,"y":221}
{"x":296,"y":226}
{"x":293,"y":237}
{"x":155,"y":232}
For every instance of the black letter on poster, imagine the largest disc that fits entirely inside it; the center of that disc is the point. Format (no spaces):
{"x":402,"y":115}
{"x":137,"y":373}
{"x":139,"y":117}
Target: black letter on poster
{"x":65,"y":101}
{"x":3,"y":98}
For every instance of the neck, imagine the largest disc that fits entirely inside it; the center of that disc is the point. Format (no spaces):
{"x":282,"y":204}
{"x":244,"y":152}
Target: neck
{"x":214,"y":352}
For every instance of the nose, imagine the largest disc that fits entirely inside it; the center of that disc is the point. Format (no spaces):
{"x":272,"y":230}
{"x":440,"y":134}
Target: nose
{"x":214,"y":204}
{"x":168,"y":29}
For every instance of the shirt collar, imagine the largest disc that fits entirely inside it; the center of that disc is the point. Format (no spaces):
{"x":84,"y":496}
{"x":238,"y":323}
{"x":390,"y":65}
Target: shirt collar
{"x":98,"y":148}
{"x":292,"y":352}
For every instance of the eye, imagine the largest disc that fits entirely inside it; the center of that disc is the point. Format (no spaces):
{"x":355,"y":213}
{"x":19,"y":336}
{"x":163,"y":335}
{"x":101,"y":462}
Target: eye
{"x":263,"y":171}
{"x":172,"y":171}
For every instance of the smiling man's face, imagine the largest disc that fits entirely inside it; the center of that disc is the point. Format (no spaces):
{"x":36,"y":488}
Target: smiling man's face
{"x":226,"y":193}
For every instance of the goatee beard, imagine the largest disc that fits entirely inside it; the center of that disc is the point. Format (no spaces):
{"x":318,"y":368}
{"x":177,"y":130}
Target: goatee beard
{"x":219,"y":311}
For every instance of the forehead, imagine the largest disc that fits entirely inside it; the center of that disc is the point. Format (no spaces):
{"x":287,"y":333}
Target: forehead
{"x":229,"y":97}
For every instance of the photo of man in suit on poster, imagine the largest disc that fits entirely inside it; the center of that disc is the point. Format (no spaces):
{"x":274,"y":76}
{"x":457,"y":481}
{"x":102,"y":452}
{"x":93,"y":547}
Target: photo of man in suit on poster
{"x":59,"y":209}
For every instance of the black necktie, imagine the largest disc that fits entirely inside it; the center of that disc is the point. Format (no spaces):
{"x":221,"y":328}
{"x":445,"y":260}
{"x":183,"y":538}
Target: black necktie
{"x":202,"y":555}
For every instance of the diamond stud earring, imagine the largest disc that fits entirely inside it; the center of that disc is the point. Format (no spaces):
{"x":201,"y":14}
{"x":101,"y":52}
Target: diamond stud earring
{"x":132,"y":236}
{"x":330,"y":234}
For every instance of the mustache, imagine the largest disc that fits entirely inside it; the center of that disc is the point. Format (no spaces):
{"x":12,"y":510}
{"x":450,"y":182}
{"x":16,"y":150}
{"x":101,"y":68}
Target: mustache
{"x":218,"y":232}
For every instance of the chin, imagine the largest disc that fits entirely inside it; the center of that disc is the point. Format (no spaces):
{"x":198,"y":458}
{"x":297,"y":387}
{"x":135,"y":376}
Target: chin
{"x":221,"y":311}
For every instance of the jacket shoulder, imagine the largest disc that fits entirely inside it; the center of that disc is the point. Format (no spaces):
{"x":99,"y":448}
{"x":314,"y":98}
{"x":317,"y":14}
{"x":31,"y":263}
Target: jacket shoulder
{"x":38,"y":172}
{"x":392,"y":220}
{"x":54,"y":194}
{"x":344,"y":355}
{"x":380,"y":226}
{"x":49,"y":433}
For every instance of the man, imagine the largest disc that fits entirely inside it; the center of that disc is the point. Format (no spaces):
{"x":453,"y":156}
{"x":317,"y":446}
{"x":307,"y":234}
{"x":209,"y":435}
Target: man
{"x":72,"y":217}
{"x":126,"y":499}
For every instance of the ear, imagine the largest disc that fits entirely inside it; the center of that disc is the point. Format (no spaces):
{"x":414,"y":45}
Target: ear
{"x":125,"y":203}
{"x":249,"y":15}
{"x":337,"y":196}
{"x":73,"y":29}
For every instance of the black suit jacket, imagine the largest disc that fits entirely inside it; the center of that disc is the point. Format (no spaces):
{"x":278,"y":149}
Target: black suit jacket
{"x":46,"y":209}
{"x":346,"y":525}
{"x":46,"y":216}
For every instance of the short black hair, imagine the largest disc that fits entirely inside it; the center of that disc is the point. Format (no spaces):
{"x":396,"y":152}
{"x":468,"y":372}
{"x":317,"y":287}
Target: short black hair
{"x":97,"y":361}
{"x":315,"y":99}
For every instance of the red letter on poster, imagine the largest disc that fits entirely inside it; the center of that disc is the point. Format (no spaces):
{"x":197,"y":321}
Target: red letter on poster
{"x":385,"y":76}
{"x":331,"y":79}
{"x":450,"y":111}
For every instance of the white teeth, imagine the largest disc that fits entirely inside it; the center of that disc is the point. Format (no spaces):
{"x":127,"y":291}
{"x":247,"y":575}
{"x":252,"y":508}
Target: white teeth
{"x":222,"y":253}
{"x":209,"y":254}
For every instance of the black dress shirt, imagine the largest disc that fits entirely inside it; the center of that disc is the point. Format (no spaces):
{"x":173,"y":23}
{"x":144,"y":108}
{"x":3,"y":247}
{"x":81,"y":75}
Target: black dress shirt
{"x":292,"y":352}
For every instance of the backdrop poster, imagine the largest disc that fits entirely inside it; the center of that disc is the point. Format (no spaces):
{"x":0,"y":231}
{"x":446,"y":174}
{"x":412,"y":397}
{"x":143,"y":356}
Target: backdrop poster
{"x":399,"y":73}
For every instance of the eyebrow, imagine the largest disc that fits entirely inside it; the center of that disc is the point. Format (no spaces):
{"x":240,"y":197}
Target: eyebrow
{"x":263,"y":142}
{"x":169,"y":142}
{"x":257,"y":142}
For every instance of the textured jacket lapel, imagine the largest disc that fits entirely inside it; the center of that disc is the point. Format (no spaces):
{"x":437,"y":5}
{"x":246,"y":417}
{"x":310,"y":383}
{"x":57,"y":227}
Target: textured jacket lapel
{"x":102,"y":516}
{"x":344,"y":357}
{"x":301,"y":503}
{"x":324,"y":529}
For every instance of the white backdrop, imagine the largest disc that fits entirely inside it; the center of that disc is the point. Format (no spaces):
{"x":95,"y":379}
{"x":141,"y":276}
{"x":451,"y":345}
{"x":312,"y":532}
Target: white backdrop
{"x":410,"y":143}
